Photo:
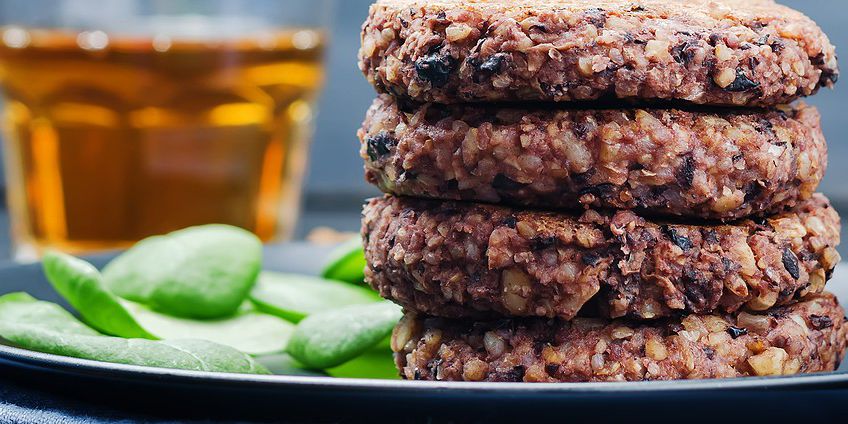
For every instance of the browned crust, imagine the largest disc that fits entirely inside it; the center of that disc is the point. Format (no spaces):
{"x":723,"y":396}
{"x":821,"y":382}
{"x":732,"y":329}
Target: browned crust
{"x":727,"y":52}
{"x":469,"y":260}
{"x":708,"y":164}
{"x":806,"y":337}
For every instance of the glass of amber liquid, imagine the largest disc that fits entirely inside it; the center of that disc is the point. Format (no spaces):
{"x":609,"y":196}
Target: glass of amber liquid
{"x":129,"y":118}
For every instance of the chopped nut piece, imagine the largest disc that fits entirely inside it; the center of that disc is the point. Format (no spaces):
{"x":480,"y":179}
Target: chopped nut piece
{"x":725,"y":77}
{"x":769,"y":362}
{"x":457,"y":32}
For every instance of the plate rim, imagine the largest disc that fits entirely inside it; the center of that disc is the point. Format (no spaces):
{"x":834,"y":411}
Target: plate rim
{"x":140,"y":374}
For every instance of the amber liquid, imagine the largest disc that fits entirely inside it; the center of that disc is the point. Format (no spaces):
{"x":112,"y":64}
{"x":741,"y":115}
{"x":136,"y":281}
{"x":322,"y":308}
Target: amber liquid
{"x":108,"y":143}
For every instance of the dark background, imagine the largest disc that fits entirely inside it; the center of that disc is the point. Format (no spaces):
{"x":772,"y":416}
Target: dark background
{"x":335,"y":187}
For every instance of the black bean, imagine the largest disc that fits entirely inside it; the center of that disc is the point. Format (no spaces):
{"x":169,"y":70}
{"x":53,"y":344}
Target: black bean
{"x":683,"y":53}
{"x":741,"y":83}
{"x":380,"y":145}
{"x":510,"y":222}
{"x":682,"y":242}
{"x":790,"y":262}
{"x":714,"y":39}
{"x":435,"y":68}
{"x":486,"y":68}
{"x":581,"y":129}
{"x":542,"y":243}
{"x":753,"y":190}
{"x":821,"y":322}
{"x":700,"y":291}
{"x":686,"y":173}
{"x":493,"y":64}
{"x":516,"y":374}
{"x":552,"y":369}
{"x":710,"y":352}
{"x":735,"y":332}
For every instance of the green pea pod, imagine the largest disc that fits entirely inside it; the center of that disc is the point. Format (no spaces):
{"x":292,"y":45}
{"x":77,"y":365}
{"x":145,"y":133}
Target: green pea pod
{"x":329,"y":339}
{"x":294,"y":297}
{"x":346,"y":263}
{"x":82,"y":286}
{"x":200,"y":272}
{"x":46,"y":327}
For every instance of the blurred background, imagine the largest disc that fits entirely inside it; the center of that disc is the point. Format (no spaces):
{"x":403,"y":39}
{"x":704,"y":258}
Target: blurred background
{"x":335,"y":188}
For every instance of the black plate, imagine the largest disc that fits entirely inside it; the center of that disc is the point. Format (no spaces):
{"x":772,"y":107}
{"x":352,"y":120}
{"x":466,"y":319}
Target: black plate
{"x":274,"y":397}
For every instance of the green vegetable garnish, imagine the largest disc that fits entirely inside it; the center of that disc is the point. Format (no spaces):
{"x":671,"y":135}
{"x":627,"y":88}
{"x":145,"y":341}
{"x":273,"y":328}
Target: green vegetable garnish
{"x":332,"y":338}
{"x":46,"y":327}
{"x":248,"y":331}
{"x":284,"y":364}
{"x":346,"y":263}
{"x":293,"y":297}
{"x":376,"y":363}
{"x":199,"y":272}
{"x":81,"y":285}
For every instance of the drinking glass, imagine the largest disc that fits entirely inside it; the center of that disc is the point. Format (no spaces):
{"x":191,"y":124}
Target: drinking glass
{"x":129,"y":118}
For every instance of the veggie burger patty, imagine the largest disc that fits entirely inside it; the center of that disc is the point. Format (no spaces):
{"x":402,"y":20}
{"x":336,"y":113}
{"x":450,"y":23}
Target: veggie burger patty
{"x":716,"y":163}
{"x":805,"y":337}
{"x":457,"y":259}
{"x":728,"y":52}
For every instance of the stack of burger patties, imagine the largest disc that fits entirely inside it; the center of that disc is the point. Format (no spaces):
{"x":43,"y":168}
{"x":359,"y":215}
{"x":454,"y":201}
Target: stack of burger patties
{"x":607,"y":190}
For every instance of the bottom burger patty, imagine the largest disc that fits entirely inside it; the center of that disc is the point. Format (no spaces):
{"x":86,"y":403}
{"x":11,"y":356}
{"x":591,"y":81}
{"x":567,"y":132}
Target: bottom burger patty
{"x":806,"y":337}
